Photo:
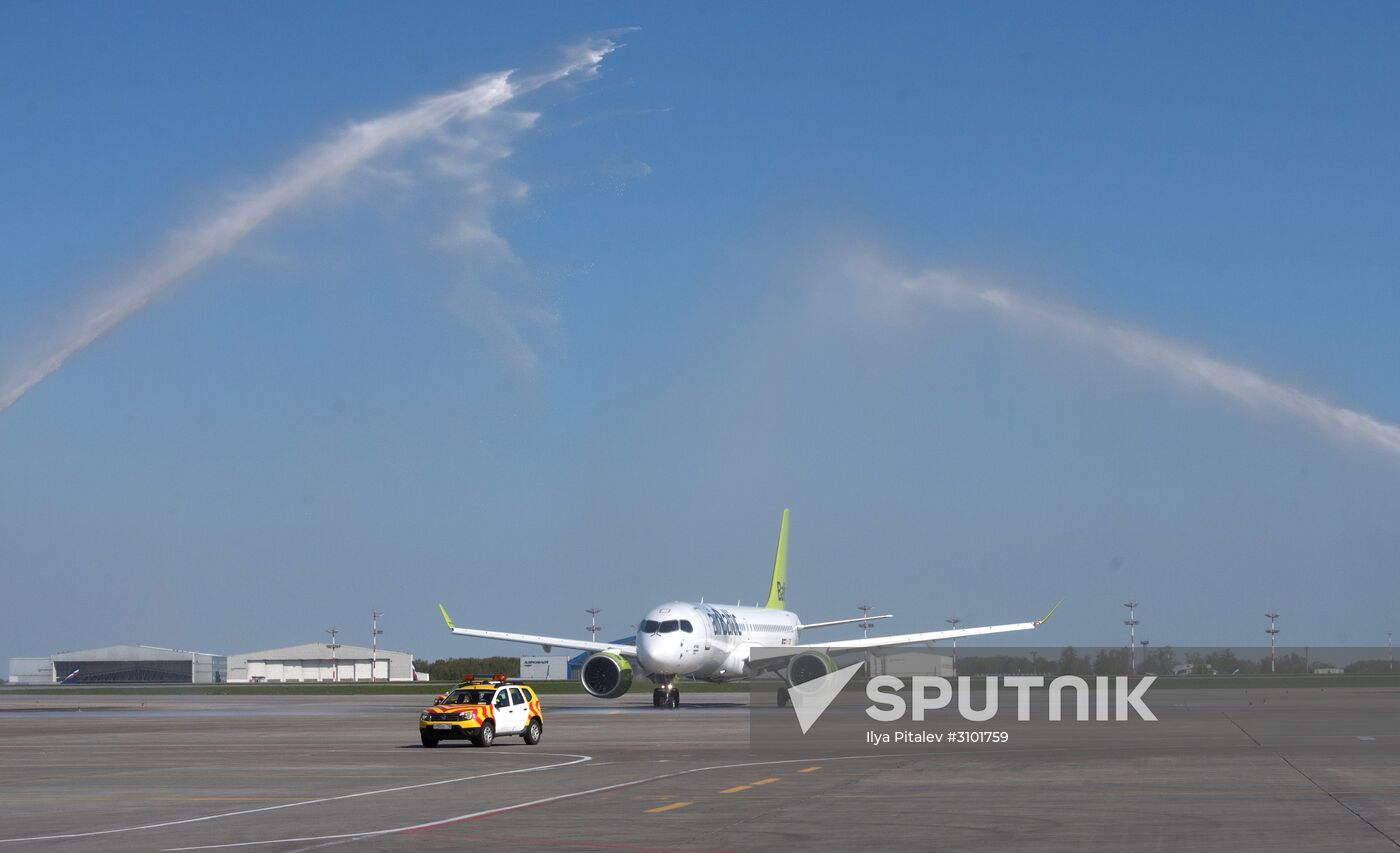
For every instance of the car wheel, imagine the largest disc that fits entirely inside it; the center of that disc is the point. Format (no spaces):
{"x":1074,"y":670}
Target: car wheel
{"x":428,"y":740}
{"x":486,"y":735}
{"x":533,"y":732}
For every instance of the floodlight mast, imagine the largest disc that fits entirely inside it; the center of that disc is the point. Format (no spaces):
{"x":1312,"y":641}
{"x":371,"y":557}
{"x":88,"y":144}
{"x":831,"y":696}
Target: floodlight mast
{"x":865,"y":624}
{"x":593,"y":628}
{"x":1272,"y":631}
{"x":374,"y":644}
{"x":1132,"y":623}
{"x":333,"y":645}
{"x":954,"y":622}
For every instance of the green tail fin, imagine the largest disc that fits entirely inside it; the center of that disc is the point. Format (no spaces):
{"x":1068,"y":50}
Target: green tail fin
{"x":777,"y":592}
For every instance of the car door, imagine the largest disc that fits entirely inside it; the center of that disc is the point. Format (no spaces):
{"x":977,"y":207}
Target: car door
{"x":501,"y":707}
{"x":520,"y":710}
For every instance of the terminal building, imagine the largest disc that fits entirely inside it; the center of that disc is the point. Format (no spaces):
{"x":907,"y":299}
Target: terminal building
{"x":313,"y":662}
{"x":121,"y":665}
{"x":909,"y":662}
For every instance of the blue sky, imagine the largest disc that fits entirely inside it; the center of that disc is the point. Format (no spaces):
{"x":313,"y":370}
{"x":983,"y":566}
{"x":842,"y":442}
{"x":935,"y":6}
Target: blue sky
{"x":611,"y":403}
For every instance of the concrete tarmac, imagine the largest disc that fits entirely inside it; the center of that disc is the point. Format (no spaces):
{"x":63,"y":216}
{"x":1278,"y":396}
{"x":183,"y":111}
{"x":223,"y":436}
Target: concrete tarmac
{"x":1222,"y":770}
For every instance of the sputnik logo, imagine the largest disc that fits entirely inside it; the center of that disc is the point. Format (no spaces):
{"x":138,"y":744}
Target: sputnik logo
{"x":810,"y":699}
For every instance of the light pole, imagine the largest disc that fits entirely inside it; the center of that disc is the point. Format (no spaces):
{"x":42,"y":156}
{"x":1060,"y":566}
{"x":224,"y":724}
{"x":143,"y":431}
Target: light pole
{"x":1272,"y":631}
{"x":1132,"y":623}
{"x":333,"y":645}
{"x":865,"y":623}
{"x":374,"y":643}
{"x":593,"y":628}
{"x":1390,"y":647}
{"x":954,"y":622}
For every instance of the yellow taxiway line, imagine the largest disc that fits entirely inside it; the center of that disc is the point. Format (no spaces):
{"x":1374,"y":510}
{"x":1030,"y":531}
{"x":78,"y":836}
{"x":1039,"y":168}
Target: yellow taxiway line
{"x":667,"y":808}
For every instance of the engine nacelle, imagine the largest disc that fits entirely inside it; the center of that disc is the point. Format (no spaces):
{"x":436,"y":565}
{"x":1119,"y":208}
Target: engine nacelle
{"x":808,"y":666}
{"x":606,"y":675}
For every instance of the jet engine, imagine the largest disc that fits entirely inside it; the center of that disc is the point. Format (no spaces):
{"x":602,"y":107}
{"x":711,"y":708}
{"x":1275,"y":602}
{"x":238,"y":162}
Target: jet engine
{"x":808,"y":666}
{"x":606,"y":675}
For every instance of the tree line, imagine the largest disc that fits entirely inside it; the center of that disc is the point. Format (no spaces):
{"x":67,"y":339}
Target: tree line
{"x":460,"y":669}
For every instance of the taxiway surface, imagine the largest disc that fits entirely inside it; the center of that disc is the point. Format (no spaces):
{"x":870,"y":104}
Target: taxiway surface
{"x":1223,"y":770}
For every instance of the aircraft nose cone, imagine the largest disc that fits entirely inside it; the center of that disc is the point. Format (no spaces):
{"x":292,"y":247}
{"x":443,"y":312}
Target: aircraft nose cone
{"x":653,"y":656}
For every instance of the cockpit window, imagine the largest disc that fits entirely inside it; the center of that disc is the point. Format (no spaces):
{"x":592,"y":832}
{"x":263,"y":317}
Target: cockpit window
{"x":669,"y":625}
{"x":650,"y":626}
{"x":685,"y":626}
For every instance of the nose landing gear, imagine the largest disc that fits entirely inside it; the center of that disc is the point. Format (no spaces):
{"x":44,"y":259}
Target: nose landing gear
{"x":666,"y":697}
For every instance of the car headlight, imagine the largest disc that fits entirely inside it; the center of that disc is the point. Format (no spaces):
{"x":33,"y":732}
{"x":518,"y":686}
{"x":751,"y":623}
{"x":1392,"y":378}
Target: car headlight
{"x":423,"y":716}
{"x":466,"y":715}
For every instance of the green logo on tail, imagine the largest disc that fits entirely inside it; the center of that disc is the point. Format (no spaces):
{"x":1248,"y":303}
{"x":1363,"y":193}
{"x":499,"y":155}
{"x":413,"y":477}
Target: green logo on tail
{"x":777,"y":592}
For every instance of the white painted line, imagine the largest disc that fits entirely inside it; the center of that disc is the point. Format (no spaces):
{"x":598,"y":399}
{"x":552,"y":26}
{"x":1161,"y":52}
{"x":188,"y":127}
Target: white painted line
{"x":527,"y":804}
{"x":577,"y":759}
{"x":1364,"y":737}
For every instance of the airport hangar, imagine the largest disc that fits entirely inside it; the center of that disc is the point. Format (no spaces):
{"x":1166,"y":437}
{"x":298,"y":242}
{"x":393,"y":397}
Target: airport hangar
{"x":127,"y":664}
{"x":312,"y":662}
{"x":121,"y":665}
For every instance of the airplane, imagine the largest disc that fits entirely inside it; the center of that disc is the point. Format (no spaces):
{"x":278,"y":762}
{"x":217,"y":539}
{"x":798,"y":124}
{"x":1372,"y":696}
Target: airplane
{"x":713,"y":643}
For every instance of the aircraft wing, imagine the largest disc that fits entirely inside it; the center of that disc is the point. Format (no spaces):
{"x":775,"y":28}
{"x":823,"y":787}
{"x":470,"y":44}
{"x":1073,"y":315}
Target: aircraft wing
{"x":805,"y":625}
{"x":926,"y":637}
{"x":536,"y":640}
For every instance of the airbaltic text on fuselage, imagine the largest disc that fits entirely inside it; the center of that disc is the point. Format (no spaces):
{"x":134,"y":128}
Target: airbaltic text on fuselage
{"x":929,"y":693}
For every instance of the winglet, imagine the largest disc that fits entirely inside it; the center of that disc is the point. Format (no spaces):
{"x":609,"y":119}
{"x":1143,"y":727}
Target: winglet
{"x":450,"y":626}
{"x":1038,"y":622}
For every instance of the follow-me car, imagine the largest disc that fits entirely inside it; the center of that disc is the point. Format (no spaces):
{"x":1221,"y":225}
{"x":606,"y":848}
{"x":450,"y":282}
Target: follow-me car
{"x":480,"y":711}
{"x":713,"y":643}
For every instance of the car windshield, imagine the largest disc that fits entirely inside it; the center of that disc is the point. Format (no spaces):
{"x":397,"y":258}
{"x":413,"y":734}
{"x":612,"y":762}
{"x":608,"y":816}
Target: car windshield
{"x":650,"y":626}
{"x":469,"y":697}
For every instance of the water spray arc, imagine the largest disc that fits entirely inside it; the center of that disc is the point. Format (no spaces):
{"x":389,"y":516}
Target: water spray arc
{"x":316,"y":169}
{"x":1139,"y":349}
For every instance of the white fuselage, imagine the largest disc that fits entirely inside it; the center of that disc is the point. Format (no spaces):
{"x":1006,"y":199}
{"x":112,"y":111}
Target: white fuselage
{"x":709,"y":641}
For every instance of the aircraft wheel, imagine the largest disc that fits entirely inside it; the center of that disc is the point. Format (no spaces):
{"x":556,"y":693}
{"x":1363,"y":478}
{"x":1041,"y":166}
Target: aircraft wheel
{"x":782,"y":697}
{"x":675,"y":698}
{"x":658,"y":698}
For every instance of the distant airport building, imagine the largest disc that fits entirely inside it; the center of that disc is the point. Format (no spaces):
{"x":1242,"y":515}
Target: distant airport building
{"x":312,"y":662}
{"x":31,"y":671}
{"x":121,"y":665}
{"x":909,"y":662}
{"x":544,"y":667}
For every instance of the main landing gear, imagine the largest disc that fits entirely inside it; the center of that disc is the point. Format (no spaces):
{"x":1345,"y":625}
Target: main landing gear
{"x":666,"y":697}
{"x":783,"y":698}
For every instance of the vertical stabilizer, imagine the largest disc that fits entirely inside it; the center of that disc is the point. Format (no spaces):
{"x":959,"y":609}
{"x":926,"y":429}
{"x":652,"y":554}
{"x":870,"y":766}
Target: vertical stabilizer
{"x":777,"y":591}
